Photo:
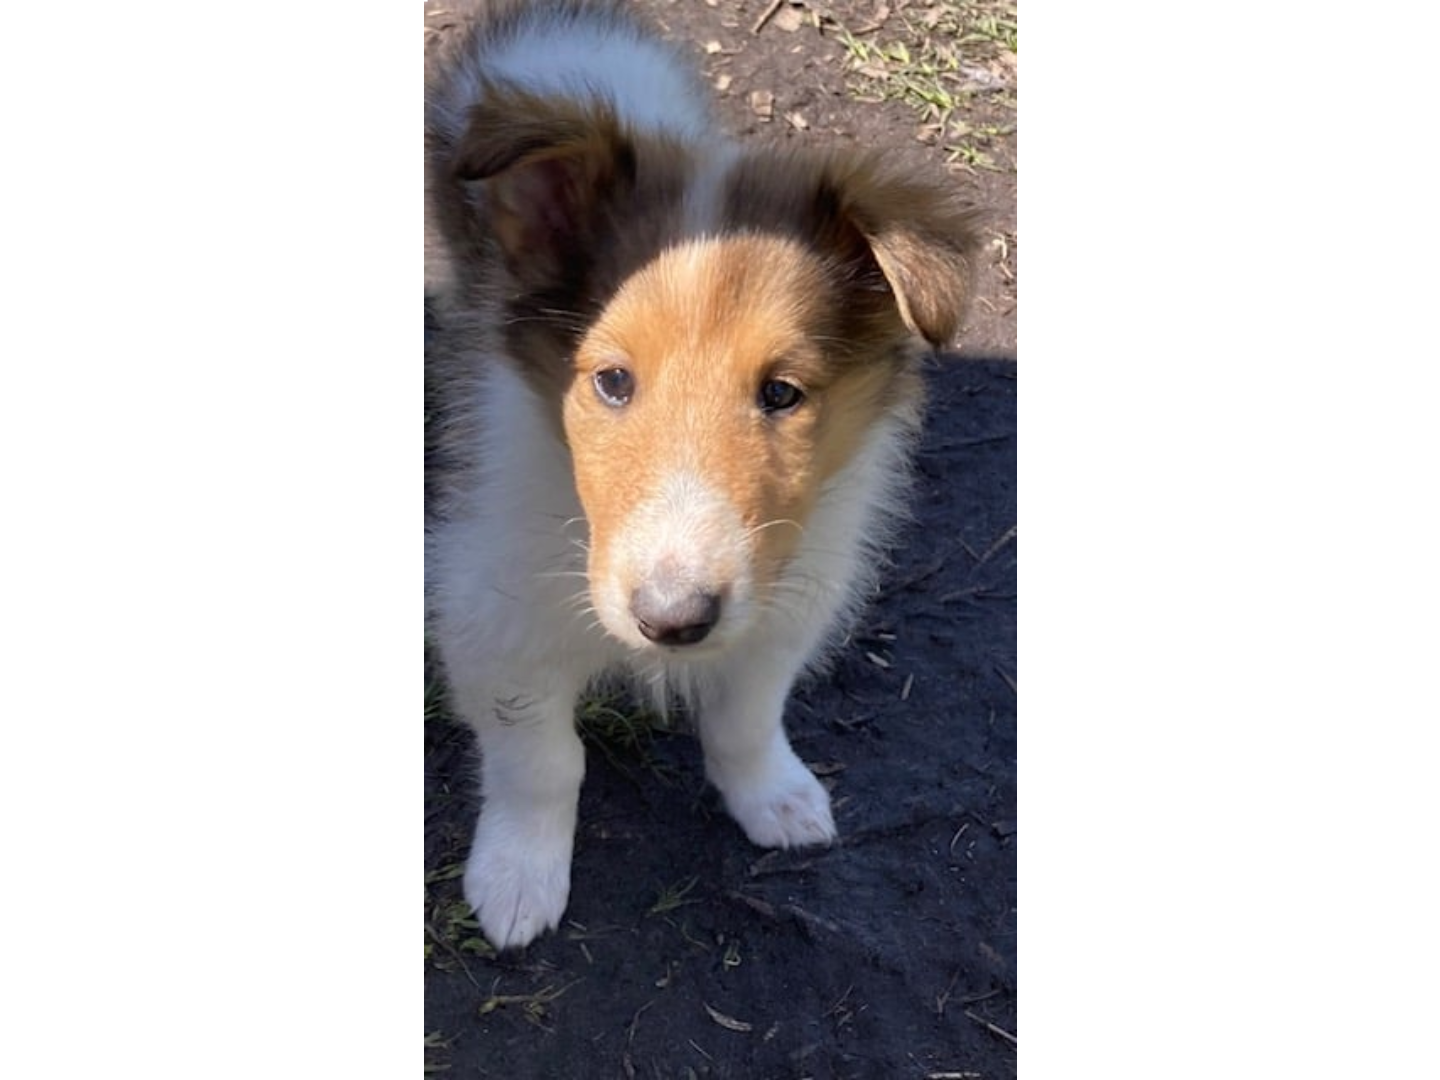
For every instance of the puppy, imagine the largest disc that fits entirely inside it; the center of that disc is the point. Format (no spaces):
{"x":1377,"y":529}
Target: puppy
{"x":669,"y":408}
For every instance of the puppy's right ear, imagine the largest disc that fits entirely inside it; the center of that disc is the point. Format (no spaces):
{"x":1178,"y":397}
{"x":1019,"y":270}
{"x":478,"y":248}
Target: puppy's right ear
{"x":549,"y":168}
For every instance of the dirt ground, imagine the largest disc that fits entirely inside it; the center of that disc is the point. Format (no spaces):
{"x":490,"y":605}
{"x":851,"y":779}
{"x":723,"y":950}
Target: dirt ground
{"x":686,"y":951}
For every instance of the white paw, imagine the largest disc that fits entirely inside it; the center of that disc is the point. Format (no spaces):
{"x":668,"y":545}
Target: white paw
{"x":518,"y":878}
{"x":785,"y":807}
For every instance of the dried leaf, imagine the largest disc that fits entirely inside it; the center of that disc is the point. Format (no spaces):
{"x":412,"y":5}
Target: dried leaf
{"x":727,"y":1022}
{"x":788,"y":19}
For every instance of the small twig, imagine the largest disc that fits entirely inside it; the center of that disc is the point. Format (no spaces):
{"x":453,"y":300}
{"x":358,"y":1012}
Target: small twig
{"x":840,"y":1004}
{"x":996,"y":546}
{"x":992,"y":1028}
{"x":635,"y":1023}
{"x":959,"y":832}
{"x":543,"y":996}
{"x":980,"y":440}
{"x":754,"y":903}
{"x":766,"y":16}
{"x":779,"y":862}
{"x":971,"y":593}
{"x":439,"y":940}
{"x":941,"y":999}
{"x":808,"y":921}
{"x":933,"y":567}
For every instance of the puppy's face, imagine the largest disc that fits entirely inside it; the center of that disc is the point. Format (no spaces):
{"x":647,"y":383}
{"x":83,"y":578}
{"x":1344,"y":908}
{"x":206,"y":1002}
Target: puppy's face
{"x":720,"y":330}
{"x":706,"y":413}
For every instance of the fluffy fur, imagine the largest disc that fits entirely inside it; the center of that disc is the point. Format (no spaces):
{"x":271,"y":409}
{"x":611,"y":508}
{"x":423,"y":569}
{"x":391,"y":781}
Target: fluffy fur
{"x":670,"y":401}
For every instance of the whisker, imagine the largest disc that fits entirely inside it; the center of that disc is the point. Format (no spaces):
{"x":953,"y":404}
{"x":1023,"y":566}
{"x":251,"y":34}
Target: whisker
{"x":581,"y":602}
{"x":565,"y":320}
{"x":771,"y":524}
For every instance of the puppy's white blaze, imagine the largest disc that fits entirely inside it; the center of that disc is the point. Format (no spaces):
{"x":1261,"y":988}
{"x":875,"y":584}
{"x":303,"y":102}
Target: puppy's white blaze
{"x":703,"y":198}
{"x":686,"y":536}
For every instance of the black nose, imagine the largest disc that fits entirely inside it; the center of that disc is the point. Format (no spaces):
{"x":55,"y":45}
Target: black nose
{"x":674,"y":620}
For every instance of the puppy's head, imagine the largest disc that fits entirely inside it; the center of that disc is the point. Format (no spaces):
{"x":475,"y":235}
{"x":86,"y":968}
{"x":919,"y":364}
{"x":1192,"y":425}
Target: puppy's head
{"x":721,"y":332}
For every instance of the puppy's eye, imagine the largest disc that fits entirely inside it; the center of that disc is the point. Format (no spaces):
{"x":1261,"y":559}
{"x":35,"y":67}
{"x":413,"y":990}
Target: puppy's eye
{"x":778,"y":396}
{"x":614,"y":386}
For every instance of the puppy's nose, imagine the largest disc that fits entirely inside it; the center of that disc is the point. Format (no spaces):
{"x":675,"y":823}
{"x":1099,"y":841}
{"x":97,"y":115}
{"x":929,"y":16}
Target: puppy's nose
{"x":680,"y":618}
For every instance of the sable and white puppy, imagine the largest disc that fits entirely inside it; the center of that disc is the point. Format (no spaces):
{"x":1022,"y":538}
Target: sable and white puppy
{"x":670,"y":403}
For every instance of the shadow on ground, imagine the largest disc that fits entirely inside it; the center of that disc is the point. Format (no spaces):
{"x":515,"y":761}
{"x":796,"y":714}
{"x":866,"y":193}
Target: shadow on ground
{"x":688,"y":952}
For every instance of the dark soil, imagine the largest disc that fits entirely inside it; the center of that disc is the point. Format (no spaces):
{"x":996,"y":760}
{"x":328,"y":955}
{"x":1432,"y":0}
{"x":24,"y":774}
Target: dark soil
{"x":688,"y":952}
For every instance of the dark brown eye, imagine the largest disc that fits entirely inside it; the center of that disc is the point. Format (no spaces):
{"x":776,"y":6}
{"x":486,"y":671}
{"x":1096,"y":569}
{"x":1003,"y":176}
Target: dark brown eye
{"x":778,"y":396}
{"x":615,"y":386}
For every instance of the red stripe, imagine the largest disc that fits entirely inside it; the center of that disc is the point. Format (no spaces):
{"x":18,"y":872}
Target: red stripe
{"x":1239,"y":1059}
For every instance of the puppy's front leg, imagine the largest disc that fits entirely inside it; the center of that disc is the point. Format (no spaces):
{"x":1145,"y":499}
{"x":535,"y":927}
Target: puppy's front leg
{"x":532,"y":763}
{"x":766,"y":788}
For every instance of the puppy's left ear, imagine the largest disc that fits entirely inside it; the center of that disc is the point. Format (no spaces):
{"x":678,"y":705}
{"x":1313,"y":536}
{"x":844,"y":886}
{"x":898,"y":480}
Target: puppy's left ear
{"x":902,"y":244}
{"x":920,"y":234}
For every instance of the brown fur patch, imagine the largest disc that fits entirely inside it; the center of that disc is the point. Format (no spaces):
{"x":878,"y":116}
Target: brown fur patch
{"x":904,"y":243}
{"x":573,"y":203}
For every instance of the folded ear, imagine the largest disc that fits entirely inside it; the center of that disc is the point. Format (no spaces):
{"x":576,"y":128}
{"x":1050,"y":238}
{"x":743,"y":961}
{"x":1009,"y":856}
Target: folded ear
{"x":548,"y":166}
{"x":894,"y":234}
{"x":921,"y":235}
